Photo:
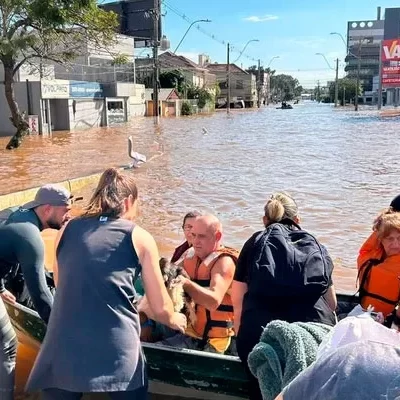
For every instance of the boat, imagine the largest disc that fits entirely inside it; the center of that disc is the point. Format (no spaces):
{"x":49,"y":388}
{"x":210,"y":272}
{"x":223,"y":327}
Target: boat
{"x":183,"y":373}
{"x":285,"y":107}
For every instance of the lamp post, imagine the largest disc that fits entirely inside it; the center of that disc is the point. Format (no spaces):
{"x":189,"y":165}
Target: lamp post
{"x":188,"y":29}
{"x":336,"y":78}
{"x":358,"y":57}
{"x":269,"y":78}
{"x":228,"y":72}
{"x":272,"y":59}
{"x":244,"y":48}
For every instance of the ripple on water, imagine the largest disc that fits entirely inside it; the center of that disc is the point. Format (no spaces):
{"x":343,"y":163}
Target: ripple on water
{"x":341,"y":167}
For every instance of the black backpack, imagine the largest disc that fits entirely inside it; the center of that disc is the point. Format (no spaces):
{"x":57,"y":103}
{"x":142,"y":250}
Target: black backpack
{"x":289,"y":262}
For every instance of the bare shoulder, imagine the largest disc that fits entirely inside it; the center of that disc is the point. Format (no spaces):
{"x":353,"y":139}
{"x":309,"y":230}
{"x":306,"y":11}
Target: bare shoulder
{"x":142,"y":238}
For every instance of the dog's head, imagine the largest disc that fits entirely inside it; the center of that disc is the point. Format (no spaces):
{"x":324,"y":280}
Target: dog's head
{"x":171,"y":272}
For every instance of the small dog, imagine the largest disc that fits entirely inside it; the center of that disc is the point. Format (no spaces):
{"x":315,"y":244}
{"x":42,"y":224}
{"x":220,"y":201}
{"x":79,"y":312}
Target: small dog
{"x":182,"y":302}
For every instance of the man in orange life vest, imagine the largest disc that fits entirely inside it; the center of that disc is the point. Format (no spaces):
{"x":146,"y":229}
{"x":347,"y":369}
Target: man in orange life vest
{"x":211,"y":268}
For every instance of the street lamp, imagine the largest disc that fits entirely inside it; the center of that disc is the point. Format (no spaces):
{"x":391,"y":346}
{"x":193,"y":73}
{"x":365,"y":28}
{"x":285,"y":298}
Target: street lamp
{"x":336,"y":78}
{"x":358,"y":57}
{"x":341,"y":37}
{"x":188,"y":29}
{"x":272,"y":59}
{"x":269,"y":79}
{"x":244,"y":48}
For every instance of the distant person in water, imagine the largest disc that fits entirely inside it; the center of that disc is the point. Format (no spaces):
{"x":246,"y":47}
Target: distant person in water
{"x":92,"y":341}
{"x":187,"y":226}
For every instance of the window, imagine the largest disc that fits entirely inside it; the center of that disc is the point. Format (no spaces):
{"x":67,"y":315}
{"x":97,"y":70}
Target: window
{"x":239,"y":84}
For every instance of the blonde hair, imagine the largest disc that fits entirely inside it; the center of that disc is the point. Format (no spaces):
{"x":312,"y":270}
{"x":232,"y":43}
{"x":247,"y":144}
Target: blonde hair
{"x":386,"y":222}
{"x":279,"y":207}
{"x":108,"y":198}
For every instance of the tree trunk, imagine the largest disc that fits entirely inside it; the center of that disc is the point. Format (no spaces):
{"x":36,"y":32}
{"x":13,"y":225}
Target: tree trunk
{"x":17,"y":118}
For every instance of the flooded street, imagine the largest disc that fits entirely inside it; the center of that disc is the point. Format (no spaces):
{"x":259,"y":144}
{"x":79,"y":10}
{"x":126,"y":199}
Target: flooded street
{"x":341,"y":167}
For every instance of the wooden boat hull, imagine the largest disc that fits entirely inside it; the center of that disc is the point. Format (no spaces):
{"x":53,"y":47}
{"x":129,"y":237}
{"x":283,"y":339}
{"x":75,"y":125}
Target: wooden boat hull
{"x":175,"y":372}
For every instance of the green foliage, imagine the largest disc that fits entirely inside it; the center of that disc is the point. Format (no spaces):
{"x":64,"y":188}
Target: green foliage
{"x":173,"y":79}
{"x":347,"y":89}
{"x":285,"y":87}
{"x":120,"y":59}
{"x":202,"y":95}
{"x":187,"y":108}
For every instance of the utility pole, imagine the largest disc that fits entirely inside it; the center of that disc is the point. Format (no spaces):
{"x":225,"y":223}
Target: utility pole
{"x":380,"y":78}
{"x":228,"y":81}
{"x":259,"y":84}
{"x":358,"y":75}
{"x":156,"y":17}
{"x":337,"y":83}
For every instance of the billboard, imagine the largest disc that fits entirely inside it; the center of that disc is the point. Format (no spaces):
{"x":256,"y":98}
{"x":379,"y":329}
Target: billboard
{"x":136,"y":19}
{"x":391,"y":50}
{"x":85,"y":89}
{"x":390,"y":58}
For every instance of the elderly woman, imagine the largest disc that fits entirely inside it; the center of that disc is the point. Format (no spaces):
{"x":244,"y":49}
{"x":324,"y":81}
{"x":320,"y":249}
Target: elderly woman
{"x":92,"y":342}
{"x":282,"y":273}
{"x":379,"y":277}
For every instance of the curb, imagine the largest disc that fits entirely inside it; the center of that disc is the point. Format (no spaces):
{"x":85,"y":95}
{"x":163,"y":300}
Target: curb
{"x":23,"y":196}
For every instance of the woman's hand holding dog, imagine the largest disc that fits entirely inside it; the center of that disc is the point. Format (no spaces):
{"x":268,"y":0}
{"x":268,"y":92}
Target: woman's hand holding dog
{"x":178,"y":322}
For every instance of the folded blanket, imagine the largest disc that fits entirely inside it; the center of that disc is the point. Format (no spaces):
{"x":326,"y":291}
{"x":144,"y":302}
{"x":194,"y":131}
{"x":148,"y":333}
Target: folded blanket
{"x":285,"y":349}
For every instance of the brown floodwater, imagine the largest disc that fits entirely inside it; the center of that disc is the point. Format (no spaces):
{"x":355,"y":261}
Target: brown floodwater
{"x":341,"y":167}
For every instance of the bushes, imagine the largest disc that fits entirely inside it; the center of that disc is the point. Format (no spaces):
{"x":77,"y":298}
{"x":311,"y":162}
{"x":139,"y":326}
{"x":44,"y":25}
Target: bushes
{"x":187,"y":108}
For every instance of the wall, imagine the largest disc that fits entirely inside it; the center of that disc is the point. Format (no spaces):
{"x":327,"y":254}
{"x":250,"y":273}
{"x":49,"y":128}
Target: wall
{"x":89,"y":113}
{"x":6,"y":127}
{"x":136,"y":100}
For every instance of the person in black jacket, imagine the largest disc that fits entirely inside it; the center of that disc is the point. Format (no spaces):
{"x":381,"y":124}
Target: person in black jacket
{"x":283,"y":273}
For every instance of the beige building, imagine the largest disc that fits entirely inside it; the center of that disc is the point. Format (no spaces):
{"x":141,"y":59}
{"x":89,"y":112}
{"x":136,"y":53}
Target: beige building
{"x":243,"y":84}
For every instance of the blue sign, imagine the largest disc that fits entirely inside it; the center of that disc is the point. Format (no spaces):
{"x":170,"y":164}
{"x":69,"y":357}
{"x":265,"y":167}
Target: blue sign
{"x":85,"y":89}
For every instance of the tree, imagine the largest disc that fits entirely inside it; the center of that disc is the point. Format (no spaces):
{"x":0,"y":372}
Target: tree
{"x":285,"y":87}
{"x":173,"y":79}
{"x":37,"y":30}
{"x":202,"y":95}
{"x":347,"y":89}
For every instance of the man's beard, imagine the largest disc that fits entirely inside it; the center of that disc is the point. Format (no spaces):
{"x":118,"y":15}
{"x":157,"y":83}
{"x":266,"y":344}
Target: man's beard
{"x":52,"y":224}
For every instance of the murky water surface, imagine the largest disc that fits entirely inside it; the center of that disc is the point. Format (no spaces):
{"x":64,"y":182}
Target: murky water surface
{"x":341,"y":167}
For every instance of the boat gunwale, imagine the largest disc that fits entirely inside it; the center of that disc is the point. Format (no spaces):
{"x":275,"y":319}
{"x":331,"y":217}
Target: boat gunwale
{"x":153,"y":346}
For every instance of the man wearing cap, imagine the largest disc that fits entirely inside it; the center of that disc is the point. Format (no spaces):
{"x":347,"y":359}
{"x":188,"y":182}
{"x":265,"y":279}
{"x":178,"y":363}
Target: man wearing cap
{"x":22,"y":249}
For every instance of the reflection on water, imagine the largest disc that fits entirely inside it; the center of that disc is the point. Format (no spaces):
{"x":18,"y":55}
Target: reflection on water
{"x":342,"y":168}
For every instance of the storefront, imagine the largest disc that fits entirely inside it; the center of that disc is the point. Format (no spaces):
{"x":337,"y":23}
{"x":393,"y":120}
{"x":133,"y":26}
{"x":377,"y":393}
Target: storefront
{"x":72,"y":105}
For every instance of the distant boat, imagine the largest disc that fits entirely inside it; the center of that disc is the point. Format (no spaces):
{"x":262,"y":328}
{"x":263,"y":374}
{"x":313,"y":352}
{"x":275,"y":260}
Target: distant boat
{"x":285,"y":107}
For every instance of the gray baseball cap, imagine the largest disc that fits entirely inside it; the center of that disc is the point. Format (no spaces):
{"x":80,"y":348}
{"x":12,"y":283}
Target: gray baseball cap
{"x":53,"y":195}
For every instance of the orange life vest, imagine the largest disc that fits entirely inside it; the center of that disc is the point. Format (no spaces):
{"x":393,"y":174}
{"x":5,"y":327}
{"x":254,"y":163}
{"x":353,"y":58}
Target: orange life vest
{"x":380,"y":284}
{"x":371,"y":249}
{"x":218,"y":323}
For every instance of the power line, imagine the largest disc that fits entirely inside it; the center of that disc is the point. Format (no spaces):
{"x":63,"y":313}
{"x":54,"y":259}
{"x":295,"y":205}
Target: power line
{"x":205,"y":32}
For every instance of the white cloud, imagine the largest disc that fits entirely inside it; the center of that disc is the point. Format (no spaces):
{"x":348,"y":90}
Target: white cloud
{"x":261,"y":18}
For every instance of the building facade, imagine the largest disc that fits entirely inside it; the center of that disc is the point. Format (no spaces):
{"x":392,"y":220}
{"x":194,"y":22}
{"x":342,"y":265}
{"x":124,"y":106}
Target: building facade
{"x":243,"y":85}
{"x":363,"y":47}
